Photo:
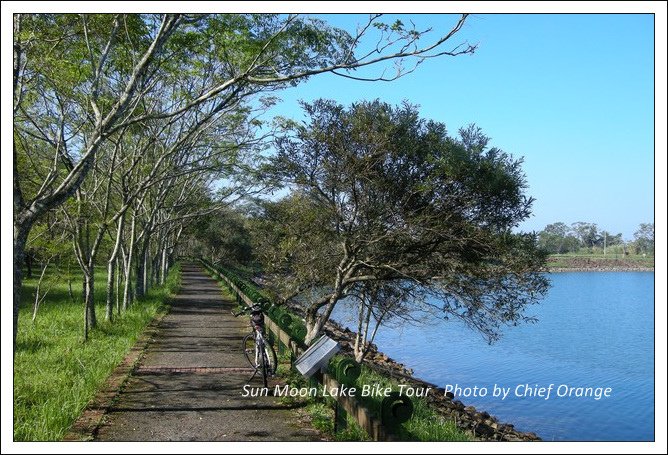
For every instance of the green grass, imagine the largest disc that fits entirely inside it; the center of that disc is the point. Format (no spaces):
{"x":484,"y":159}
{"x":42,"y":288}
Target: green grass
{"x":427,"y":425}
{"x":424,"y":425}
{"x":55,"y":372}
{"x":319,"y":409}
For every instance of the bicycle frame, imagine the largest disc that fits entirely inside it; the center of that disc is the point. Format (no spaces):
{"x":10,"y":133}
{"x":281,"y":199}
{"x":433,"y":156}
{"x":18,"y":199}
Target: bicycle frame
{"x":259,"y":346}
{"x":261,"y":356}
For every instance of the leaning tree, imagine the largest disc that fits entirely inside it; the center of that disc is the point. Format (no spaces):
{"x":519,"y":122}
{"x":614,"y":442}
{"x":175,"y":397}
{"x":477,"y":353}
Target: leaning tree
{"x":380,"y":195}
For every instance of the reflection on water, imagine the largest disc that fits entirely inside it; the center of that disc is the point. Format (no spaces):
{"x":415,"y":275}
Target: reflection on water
{"x":595,"y":330}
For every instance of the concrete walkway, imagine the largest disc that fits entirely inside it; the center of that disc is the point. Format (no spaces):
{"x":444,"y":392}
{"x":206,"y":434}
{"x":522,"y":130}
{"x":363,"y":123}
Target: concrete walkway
{"x":189,"y":384}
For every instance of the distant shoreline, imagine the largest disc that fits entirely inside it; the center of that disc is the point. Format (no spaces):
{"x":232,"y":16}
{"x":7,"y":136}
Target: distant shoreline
{"x":599,"y":269}
{"x":558,"y":263}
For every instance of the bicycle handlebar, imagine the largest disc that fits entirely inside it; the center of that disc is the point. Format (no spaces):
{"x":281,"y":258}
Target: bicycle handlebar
{"x":247,"y":310}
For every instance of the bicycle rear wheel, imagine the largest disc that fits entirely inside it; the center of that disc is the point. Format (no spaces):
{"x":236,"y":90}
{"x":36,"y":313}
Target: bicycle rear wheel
{"x":269,"y":362}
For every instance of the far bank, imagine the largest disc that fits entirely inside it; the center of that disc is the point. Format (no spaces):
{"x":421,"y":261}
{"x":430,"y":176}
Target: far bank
{"x":600,"y":263}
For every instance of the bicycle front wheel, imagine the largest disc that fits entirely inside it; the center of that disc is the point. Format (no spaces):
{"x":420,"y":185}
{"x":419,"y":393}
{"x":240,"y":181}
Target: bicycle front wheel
{"x":250,"y":352}
{"x":272,"y":358}
{"x":253,"y":356}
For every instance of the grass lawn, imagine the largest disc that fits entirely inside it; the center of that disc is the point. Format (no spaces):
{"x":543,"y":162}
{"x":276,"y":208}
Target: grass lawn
{"x":424,"y":425}
{"x":55,"y":373}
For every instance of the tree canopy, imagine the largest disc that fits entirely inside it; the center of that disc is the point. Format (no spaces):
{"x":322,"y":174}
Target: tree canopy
{"x":382,"y":195}
{"x":559,"y":238}
{"x":115,"y":111}
{"x":644,"y":238}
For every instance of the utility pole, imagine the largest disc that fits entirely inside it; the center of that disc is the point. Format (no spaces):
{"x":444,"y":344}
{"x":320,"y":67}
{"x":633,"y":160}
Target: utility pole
{"x":605,"y":240}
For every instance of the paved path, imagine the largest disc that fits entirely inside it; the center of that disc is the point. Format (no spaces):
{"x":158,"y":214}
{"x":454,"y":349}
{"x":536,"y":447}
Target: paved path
{"x":188,"y":386}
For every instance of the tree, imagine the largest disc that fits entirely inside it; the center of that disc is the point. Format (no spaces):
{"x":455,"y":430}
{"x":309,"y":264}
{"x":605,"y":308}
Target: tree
{"x":607,"y":240}
{"x":379,"y":304}
{"x":553,"y":238}
{"x":644,"y":239}
{"x":49,"y":241}
{"x":80,"y":79}
{"x":65,"y":107}
{"x":611,"y":239}
{"x":222,"y":237}
{"x":558,"y":238}
{"x":587,"y":233}
{"x":381,"y":195}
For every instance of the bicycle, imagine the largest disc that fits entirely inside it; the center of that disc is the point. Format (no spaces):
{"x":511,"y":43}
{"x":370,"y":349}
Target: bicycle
{"x":259,"y":353}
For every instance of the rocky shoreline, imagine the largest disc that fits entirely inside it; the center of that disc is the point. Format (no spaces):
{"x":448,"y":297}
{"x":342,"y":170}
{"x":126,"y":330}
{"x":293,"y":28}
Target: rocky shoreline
{"x":479,"y":424}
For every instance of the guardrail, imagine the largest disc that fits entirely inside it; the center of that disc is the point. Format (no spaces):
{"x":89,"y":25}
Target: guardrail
{"x":394,"y":410}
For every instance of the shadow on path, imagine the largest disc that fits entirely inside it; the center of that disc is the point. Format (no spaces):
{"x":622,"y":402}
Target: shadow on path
{"x":205,"y":404}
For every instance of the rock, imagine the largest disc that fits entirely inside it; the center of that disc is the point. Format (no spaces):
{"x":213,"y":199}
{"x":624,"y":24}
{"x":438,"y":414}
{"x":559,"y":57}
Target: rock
{"x":484,"y":430}
{"x":513,"y":438}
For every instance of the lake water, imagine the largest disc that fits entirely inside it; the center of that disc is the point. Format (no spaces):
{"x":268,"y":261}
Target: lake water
{"x":595,"y":330}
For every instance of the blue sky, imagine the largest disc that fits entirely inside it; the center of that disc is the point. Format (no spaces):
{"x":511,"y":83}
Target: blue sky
{"x":572,"y":94}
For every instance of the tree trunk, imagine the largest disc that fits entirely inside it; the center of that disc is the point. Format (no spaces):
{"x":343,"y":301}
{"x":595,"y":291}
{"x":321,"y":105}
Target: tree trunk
{"x":86,"y":328}
{"x":140,"y":283}
{"x":147,"y":268}
{"x":139,"y":278}
{"x":128,"y":265}
{"x":358,"y":348}
{"x":111,"y":268}
{"x":155,"y":272}
{"x":89,"y":296}
{"x":118,"y":286}
{"x":311,"y":325}
{"x":315,"y":322}
{"x":38,"y":300}
{"x":163,"y":265}
{"x":157,"y":264}
{"x":21,"y":231}
{"x":127,"y":295}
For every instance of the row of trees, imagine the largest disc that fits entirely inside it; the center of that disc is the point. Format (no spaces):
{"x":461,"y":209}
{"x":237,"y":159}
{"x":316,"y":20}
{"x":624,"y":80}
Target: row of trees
{"x":129,"y":126}
{"x":388,"y":210}
{"x":559,"y":238}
